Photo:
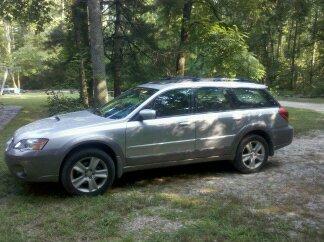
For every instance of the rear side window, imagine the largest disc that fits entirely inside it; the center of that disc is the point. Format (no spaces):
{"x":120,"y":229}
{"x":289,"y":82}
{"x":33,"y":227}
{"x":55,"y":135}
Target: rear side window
{"x":252,"y":98}
{"x":211,"y":99}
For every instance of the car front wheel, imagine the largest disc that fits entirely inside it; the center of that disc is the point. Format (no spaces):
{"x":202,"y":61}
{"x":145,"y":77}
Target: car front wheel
{"x":88,"y":172}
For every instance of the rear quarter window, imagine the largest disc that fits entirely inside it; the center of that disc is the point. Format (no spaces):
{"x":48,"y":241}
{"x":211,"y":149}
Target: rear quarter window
{"x":252,"y":98}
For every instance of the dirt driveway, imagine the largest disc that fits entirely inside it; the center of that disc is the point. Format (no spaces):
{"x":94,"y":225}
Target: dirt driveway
{"x":7,"y":113}
{"x":290,"y":187}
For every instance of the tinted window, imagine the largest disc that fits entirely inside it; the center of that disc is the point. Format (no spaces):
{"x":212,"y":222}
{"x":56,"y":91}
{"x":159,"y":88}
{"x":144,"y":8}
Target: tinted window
{"x":171,"y":103}
{"x":211,"y":99}
{"x":252,"y":98}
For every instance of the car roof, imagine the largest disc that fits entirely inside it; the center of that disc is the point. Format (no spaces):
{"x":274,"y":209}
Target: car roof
{"x":190,"y":82}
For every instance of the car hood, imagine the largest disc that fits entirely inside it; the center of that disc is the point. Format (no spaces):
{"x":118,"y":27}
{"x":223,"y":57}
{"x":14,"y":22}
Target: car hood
{"x":45,"y":127}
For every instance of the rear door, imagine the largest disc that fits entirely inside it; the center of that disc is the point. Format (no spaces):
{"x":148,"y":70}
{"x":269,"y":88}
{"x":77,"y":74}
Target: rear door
{"x":216,"y":122}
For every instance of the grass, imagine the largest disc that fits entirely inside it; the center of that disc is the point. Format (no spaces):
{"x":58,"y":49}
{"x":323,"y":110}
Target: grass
{"x":44,"y":212}
{"x":301,"y":99}
{"x":304,"y":120}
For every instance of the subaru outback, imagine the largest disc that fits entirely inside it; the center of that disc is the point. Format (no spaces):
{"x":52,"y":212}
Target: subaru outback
{"x":158,"y":124}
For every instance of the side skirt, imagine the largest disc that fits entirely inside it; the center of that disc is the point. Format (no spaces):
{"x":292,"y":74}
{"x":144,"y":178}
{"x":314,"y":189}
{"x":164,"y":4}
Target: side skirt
{"x":175,"y":163}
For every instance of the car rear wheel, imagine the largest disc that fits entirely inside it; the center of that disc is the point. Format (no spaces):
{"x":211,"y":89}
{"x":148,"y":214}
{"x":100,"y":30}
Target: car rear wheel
{"x":252,"y":154}
{"x":88,"y":172}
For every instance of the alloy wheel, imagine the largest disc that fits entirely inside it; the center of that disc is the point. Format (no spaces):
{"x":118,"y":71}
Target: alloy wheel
{"x":253,"y":154}
{"x":89,"y":174}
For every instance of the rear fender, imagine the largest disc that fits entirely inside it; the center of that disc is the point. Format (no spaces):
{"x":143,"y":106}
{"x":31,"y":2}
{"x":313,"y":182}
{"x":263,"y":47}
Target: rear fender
{"x":250,"y":129}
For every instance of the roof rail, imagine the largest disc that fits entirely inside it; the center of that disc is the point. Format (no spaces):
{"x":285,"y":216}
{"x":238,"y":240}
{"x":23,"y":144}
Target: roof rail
{"x":170,"y":79}
{"x":237,"y":79}
{"x":178,"y":79}
{"x":222,"y":79}
{"x":244,"y":79}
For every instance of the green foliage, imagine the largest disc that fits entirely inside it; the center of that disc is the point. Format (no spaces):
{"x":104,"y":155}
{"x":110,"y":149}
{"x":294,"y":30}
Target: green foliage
{"x":284,"y":36}
{"x":279,"y":43}
{"x":27,"y":11}
{"x":58,"y":103}
{"x":31,"y":56}
{"x":218,"y":50}
{"x":314,"y":90}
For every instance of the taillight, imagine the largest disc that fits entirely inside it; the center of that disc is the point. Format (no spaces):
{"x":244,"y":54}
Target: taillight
{"x":284,"y":113}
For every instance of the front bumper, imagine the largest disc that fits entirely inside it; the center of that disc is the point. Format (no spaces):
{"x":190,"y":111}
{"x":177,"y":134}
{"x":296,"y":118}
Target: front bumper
{"x":33,"y":166}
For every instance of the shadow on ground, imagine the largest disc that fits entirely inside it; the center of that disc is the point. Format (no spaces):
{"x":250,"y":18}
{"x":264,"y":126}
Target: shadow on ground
{"x":144,"y":178}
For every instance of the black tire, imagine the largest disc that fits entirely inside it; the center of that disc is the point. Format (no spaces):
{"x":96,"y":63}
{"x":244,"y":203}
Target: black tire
{"x":238,"y":161}
{"x":65,"y":176}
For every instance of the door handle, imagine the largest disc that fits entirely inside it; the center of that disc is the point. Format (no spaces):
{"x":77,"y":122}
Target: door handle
{"x":184,"y":124}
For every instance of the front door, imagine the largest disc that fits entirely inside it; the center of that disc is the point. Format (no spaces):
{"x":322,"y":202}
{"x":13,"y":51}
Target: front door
{"x":169,"y":137}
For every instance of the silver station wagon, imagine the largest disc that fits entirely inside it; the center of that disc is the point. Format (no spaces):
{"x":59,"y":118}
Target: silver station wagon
{"x":163,"y":123}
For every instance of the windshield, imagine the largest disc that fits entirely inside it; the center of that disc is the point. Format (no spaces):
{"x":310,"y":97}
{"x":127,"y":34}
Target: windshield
{"x":127,"y":102}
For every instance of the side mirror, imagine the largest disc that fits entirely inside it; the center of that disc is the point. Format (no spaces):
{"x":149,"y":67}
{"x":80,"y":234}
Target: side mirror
{"x":147,"y":114}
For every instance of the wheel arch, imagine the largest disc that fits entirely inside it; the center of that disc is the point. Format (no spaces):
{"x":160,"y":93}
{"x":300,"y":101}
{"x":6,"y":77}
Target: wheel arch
{"x":261,"y":131}
{"x":110,"y":148}
{"x":264,"y":134}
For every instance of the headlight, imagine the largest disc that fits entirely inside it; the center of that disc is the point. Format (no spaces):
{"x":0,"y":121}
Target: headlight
{"x":9,"y":143}
{"x":31,"y":144}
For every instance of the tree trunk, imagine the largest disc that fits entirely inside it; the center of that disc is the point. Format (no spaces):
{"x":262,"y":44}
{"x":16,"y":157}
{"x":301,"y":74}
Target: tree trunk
{"x":290,"y":37}
{"x":13,"y":79}
{"x":293,"y":57}
{"x":117,"y":50}
{"x":97,"y":53}
{"x":279,"y":48}
{"x":79,"y":16}
{"x":314,"y":47}
{"x":84,"y":84}
{"x":184,"y":37}
{"x":18,"y":80}
{"x":5,"y":75}
{"x":9,"y":47}
{"x":269,"y":54}
{"x":62,"y":9}
{"x":7,"y":29}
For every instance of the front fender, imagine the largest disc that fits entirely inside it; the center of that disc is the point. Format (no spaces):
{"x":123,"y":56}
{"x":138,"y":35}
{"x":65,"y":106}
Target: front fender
{"x":106,"y":141}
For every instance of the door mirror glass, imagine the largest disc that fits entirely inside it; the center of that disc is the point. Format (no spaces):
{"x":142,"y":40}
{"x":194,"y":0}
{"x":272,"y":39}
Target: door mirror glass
{"x":147,"y":114}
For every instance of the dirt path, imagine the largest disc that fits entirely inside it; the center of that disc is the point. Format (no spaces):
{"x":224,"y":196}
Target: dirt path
{"x":319,"y":107}
{"x":7,"y":113}
{"x":290,"y":186}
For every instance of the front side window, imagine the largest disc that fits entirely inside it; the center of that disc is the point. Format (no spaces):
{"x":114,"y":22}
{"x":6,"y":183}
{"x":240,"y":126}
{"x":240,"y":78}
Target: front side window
{"x":127,"y":102}
{"x":172,"y":103}
{"x":251,"y":98}
{"x":211,"y":99}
